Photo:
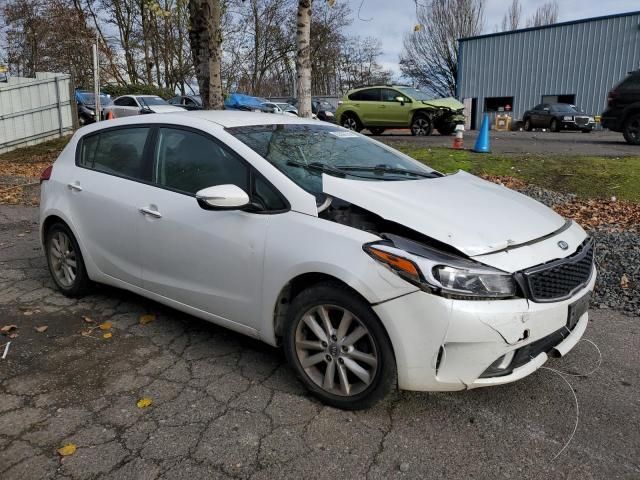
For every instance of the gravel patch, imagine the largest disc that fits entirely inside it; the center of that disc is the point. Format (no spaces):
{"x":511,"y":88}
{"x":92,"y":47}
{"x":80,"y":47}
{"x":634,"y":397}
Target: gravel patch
{"x":548,"y":197}
{"x":617,"y":254}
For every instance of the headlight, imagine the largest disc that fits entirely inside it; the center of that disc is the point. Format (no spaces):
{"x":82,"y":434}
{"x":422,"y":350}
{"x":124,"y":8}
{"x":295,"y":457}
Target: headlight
{"x":568,"y":118}
{"x":592,"y":120}
{"x":328,"y":114}
{"x":442,"y":273}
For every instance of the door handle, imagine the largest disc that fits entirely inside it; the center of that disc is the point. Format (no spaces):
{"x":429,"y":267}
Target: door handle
{"x":148,"y":211}
{"x":74,"y":186}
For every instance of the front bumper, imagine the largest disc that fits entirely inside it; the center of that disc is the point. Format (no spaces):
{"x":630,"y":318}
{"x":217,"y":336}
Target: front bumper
{"x":442,"y":344}
{"x":572,"y":125}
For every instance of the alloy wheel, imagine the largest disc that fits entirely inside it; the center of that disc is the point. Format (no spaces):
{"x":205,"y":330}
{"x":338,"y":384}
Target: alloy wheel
{"x":420,"y":127}
{"x":336,"y":350}
{"x":63,"y":259}
{"x":633,"y":129}
{"x":350,"y":123}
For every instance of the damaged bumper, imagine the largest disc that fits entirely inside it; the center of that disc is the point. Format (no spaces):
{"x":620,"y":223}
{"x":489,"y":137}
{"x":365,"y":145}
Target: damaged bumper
{"x":443,"y":344}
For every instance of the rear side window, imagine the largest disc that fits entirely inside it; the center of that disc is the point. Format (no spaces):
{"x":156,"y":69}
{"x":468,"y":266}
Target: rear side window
{"x":371,"y":95}
{"x":118,"y":152}
{"x":125,"y":102}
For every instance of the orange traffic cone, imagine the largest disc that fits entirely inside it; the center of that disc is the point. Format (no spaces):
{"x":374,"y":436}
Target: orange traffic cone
{"x":110,"y":115}
{"x":458,"y":141}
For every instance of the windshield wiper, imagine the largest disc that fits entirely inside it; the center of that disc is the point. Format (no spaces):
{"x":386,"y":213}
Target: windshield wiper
{"x":317,"y":166}
{"x":387,"y":169}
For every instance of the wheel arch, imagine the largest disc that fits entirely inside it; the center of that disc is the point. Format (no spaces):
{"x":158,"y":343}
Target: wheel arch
{"x":630,"y":110}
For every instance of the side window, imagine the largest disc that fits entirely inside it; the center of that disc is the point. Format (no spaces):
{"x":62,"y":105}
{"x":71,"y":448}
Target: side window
{"x":266,"y":195}
{"x":125,"y":102}
{"x":189,"y":102}
{"x":538,"y":107}
{"x":188,"y":162}
{"x":389,"y":95}
{"x":119,"y":152}
{"x":356,"y":96}
{"x":371,"y":95}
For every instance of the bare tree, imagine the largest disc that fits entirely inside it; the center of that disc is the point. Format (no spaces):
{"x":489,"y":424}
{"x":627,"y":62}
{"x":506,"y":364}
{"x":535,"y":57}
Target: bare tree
{"x":511,"y":19}
{"x":205,"y":36}
{"x":544,"y":15}
{"x":430,"y":55}
{"x":303,"y":57}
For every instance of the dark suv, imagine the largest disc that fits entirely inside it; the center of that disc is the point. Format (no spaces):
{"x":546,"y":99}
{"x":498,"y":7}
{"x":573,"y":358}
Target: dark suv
{"x":623,"y":109}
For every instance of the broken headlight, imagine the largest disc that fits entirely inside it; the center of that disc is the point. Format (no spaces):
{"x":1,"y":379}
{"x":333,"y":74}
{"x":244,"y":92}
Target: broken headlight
{"x":442,"y":273}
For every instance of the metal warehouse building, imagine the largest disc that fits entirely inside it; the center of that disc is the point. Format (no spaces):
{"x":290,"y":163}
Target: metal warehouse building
{"x":574,"y":62}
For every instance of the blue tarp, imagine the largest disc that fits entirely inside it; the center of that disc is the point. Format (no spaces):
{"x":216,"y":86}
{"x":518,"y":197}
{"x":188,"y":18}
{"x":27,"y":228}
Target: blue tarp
{"x":239,"y":101}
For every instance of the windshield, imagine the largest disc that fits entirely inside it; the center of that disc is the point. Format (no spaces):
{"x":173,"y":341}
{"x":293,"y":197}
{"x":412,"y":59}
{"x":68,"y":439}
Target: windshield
{"x":149,"y":101}
{"x":88,"y":98}
{"x":285,"y":106}
{"x":415,"y":94}
{"x":324,"y":105}
{"x":303,"y":152}
{"x":565,"y":108}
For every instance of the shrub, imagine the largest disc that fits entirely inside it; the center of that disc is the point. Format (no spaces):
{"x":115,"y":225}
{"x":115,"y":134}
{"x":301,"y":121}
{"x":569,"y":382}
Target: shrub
{"x":137,"y":89}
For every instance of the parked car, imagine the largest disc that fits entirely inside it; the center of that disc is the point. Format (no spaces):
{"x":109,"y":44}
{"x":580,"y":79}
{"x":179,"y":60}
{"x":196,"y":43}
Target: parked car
{"x":188,"y":102}
{"x":280,"y":108}
{"x":370,"y":269}
{"x":86,"y":102}
{"x":623,"y":109}
{"x":323,"y":110}
{"x":246,"y":103}
{"x":130,"y":105}
{"x":556,"y":117}
{"x":378,"y":108}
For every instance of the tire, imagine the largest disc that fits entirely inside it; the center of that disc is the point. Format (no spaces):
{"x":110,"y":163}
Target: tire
{"x":376,"y":130}
{"x":61,"y":246}
{"x":553,"y":126}
{"x":421,"y":125}
{"x":527,"y":125}
{"x":317,"y":352}
{"x":586,"y":130}
{"x":631,"y":129}
{"x":352,"y":122}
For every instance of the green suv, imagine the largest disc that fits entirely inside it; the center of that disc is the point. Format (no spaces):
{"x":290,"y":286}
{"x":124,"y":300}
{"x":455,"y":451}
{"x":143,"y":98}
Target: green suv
{"x":378,"y":108}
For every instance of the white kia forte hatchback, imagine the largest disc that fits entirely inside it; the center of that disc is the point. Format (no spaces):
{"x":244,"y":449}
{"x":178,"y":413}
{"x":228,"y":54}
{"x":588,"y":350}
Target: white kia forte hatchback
{"x":370,"y":269}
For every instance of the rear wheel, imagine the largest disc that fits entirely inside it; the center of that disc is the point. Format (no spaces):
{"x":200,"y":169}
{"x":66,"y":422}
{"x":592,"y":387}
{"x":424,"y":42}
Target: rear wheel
{"x":421,"y":126}
{"x":352,"y":122}
{"x":338,"y":348}
{"x":65,"y":261}
{"x":376,"y":130}
{"x":631,"y":129}
{"x":554,"y":125}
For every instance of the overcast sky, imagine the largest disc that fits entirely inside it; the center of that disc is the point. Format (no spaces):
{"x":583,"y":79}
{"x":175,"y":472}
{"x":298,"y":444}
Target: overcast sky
{"x":389,"y":20}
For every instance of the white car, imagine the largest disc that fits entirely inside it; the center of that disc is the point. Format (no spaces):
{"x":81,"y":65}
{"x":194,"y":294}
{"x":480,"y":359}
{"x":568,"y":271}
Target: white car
{"x":131,"y":105}
{"x":281,"y":108}
{"x":369,"y":268}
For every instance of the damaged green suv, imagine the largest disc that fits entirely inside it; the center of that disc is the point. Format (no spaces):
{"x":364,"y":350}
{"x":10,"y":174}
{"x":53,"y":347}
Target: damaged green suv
{"x":378,"y":108}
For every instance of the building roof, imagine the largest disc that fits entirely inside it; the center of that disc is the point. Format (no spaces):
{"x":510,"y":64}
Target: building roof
{"x":553,"y":25}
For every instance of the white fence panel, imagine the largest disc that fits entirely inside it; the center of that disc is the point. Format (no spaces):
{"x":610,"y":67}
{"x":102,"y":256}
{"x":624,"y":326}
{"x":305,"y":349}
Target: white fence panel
{"x":34,"y":110}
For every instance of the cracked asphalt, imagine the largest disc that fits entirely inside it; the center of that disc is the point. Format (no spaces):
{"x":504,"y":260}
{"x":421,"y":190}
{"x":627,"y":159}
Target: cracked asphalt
{"x":226,"y":406}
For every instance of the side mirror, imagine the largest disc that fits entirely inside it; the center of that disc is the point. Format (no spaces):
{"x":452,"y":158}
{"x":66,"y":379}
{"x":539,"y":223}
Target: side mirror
{"x":222,"y":197}
{"x":545,"y":109}
{"x":145,"y":110}
{"x":400,"y":99}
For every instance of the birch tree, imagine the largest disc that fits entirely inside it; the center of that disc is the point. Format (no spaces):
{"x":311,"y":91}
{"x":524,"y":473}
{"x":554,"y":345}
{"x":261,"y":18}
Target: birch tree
{"x":303,"y":57}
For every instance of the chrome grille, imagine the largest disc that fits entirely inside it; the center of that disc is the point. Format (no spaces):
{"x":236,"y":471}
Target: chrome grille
{"x":581,"y":120}
{"x":560,"y":279}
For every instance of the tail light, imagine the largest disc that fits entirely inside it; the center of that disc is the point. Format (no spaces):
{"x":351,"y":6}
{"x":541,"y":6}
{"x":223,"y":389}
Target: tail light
{"x":613,"y":94}
{"x":46,"y":173}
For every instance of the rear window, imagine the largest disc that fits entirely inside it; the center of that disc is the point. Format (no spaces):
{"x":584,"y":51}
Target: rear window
{"x":117,"y":152}
{"x":630,"y":83}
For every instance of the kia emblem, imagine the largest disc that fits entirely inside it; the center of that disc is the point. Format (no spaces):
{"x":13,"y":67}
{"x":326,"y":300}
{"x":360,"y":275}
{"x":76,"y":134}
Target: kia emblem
{"x":563,"y":245}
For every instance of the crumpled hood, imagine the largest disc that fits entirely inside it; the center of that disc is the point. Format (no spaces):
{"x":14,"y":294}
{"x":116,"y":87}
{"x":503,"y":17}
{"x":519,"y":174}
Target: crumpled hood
{"x":166,"y":108}
{"x":448,"y":102}
{"x":470,"y":214}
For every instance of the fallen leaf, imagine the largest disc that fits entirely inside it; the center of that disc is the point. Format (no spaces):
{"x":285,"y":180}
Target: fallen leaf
{"x":107,"y":335}
{"x":144,"y":319}
{"x":88,"y":319}
{"x":105,"y":325}
{"x":68,"y":449}
{"x":27,"y":313}
{"x":85,"y":333}
{"x":624,"y":281}
{"x":13,"y":335}
{"x":7,"y":329}
{"x":144,"y":402}
{"x":42,"y":329}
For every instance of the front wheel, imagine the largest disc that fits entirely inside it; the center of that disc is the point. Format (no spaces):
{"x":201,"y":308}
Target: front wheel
{"x":421,"y":126}
{"x":527,"y":125}
{"x":554,"y":126}
{"x":338,"y":348}
{"x":447,"y":129}
{"x":376,"y":130}
{"x":631,"y":129}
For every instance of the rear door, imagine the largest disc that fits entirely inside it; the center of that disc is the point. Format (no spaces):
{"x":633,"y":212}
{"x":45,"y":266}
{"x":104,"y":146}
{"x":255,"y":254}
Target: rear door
{"x":105,"y":191}
{"x":369,"y":106}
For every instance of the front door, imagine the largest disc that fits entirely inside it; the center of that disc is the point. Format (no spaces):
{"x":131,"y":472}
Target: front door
{"x":391,"y":112}
{"x":211,"y":260}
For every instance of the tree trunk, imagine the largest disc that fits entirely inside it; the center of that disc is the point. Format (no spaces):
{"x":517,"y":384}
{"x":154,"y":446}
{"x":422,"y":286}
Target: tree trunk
{"x":206,"y":46}
{"x":303,"y":58}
